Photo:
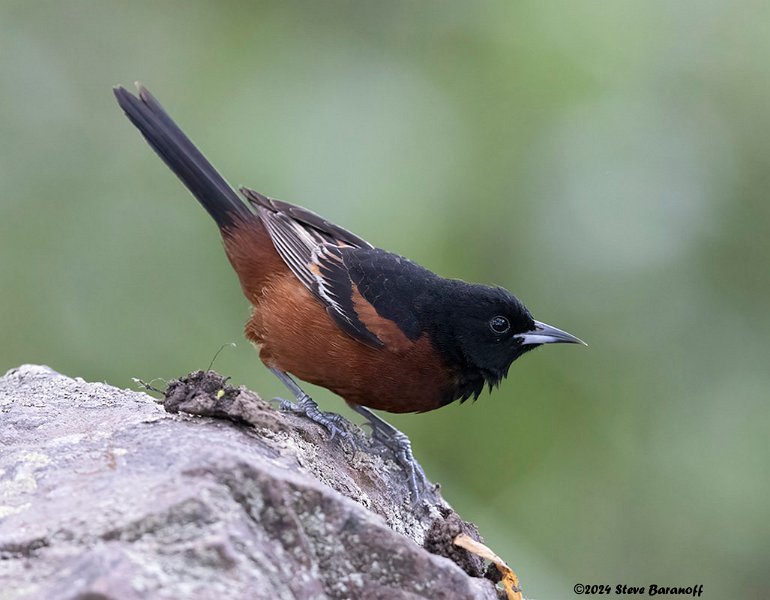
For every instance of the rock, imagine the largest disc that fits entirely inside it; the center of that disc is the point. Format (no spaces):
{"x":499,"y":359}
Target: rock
{"x":106,"y":495}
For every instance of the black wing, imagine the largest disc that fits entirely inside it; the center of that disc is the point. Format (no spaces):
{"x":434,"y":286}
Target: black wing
{"x":394,"y":286}
{"x":313,"y":248}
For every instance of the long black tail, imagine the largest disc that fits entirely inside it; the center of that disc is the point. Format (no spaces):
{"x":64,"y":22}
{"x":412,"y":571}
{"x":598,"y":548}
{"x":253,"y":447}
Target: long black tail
{"x":182,"y":157}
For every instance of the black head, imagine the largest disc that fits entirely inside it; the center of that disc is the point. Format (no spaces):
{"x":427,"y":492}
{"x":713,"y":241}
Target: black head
{"x":490,"y":328}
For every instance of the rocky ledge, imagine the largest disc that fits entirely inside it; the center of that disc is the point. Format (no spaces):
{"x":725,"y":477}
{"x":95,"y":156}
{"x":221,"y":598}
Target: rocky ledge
{"x":208,"y":492}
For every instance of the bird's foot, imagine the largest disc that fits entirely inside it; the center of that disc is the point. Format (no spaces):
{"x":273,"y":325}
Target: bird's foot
{"x":398,"y":444}
{"x":401,"y":447}
{"x":306,"y":406}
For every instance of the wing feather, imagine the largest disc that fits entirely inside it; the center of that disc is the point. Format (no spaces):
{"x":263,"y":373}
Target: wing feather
{"x":313,"y":248}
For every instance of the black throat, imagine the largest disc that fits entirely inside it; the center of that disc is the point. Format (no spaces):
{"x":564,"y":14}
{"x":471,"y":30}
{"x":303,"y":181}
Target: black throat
{"x":440,"y":321}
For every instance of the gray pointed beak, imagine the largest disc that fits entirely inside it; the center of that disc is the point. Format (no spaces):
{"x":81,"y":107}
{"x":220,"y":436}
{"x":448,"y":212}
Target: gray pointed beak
{"x":546,"y":334}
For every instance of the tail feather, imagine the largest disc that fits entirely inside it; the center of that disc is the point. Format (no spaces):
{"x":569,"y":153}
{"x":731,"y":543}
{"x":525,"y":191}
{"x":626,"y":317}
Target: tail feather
{"x":182,"y":157}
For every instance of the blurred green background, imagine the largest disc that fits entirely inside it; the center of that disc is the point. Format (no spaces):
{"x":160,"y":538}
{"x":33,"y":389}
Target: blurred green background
{"x":608,"y":162}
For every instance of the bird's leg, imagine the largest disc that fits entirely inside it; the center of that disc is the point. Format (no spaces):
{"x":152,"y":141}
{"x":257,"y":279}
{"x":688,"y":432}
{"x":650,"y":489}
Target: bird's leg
{"x":306,"y":406}
{"x":398,"y":443}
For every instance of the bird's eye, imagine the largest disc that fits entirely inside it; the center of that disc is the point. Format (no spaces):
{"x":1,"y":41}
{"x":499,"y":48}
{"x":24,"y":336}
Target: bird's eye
{"x":499,"y":324}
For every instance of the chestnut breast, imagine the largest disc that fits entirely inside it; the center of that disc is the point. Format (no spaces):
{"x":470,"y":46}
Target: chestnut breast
{"x":295,"y":334}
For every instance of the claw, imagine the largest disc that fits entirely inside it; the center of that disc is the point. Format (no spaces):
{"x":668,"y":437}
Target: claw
{"x":418,"y":482}
{"x":307,"y":407}
{"x":401,"y":448}
{"x":389,"y":437}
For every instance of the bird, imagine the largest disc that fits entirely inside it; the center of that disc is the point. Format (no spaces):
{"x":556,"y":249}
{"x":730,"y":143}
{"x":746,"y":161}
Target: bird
{"x":331,"y":309}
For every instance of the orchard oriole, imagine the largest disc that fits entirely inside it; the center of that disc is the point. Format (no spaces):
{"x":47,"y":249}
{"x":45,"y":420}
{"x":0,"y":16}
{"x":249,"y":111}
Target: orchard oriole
{"x":328,"y":307}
